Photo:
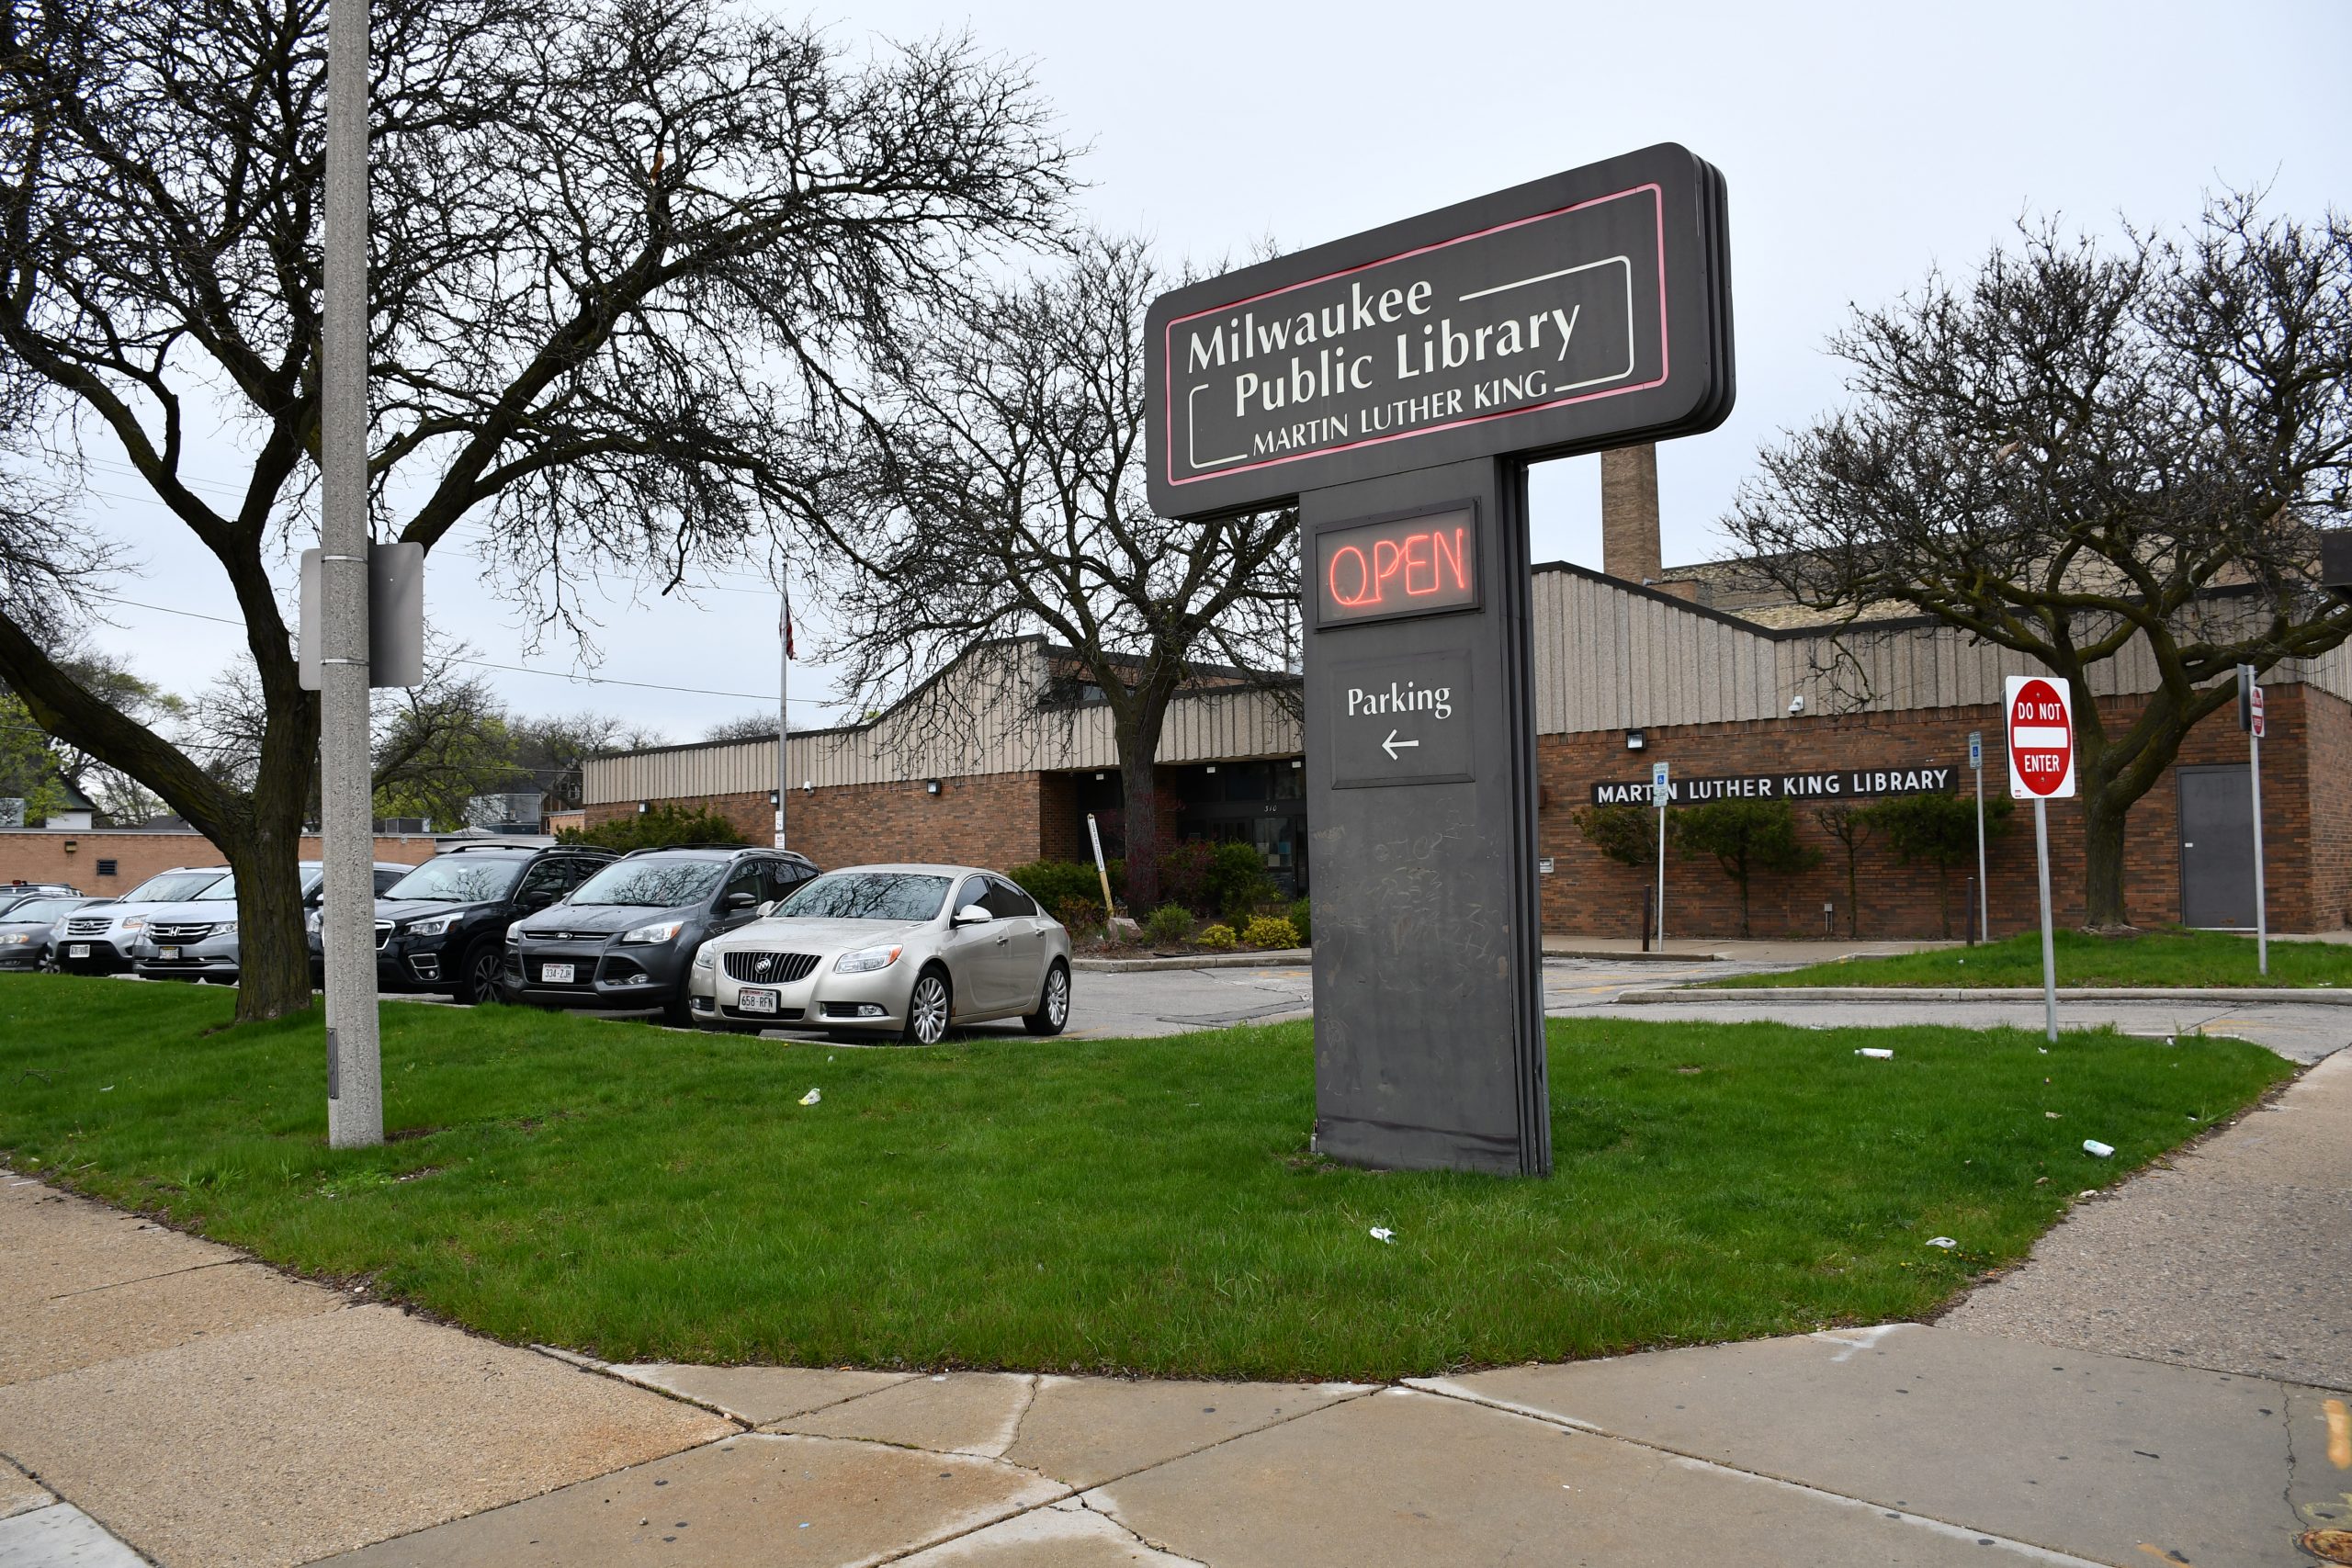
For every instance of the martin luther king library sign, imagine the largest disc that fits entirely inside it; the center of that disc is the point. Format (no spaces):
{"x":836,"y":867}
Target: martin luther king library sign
{"x":1846,"y":784}
{"x":1394,"y":385}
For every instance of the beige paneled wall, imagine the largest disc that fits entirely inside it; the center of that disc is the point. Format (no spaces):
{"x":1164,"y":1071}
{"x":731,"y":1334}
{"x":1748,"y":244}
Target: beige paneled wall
{"x":1607,"y":657}
{"x":980,"y":717}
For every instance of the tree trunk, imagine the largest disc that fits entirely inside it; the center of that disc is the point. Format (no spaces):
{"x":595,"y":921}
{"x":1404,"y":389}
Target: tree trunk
{"x":273,"y":944}
{"x":2103,"y":826}
{"x":1142,"y":811}
{"x":1139,"y":741}
{"x":1740,"y":876}
{"x":1853,"y":894}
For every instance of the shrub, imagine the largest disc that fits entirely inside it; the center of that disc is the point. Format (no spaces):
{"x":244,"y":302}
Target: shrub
{"x":1082,"y":917}
{"x":1050,"y":882}
{"x":1627,"y":834}
{"x":1219,"y":939}
{"x":1939,"y":829}
{"x":1744,"y":836}
{"x":1184,"y":874}
{"x":1270,"y":930}
{"x":1302,"y":915}
{"x":1169,"y":924}
{"x":651,"y":830}
{"x":1238,"y":882}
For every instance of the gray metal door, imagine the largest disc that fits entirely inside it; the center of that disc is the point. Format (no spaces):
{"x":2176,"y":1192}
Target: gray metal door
{"x":2216,"y":848}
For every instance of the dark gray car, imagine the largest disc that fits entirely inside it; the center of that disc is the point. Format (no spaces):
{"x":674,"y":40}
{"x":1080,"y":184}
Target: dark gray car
{"x":626,"y":937}
{"x":28,"y":932}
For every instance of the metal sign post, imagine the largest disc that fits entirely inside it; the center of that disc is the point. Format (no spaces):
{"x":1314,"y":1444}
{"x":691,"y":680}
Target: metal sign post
{"x":1661,"y":791}
{"x":1396,"y":384}
{"x":2250,"y":718}
{"x":1984,"y":895}
{"x":346,"y":787}
{"x":2040,"y":721}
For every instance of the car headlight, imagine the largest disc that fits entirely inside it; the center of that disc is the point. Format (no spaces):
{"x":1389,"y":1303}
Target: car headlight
{"x":134,"y":924}
{"x":314,"y":920}
{"x":660,"y":931}
{"x":14,"y":938}
{"x":433,"y":927}
{"x":226,"y":928}
{"x":514,"y":934}
{"x":705,"y":956}
{"x":865,"y":959}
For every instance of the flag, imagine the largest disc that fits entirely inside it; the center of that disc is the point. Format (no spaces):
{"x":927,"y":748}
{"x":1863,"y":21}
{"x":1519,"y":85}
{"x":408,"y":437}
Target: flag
{"x":784,"y":626}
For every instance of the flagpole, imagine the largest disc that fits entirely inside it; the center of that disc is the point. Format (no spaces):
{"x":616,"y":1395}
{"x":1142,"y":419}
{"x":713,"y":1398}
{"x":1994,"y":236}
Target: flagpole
{"x":784,"y":732}
{"x":783,"y":724}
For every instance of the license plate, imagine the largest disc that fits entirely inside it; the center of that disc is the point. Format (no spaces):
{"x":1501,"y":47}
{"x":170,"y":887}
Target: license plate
{"x":167,"y":952}
{"x":79,"y":950}
{"x":756,"y":1001}
{"x":555,"y":974}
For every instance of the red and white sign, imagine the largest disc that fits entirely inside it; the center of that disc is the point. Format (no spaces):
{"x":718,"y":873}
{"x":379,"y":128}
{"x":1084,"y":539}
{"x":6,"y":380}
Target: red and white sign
{"x":2041,"y":739}
{"x":2254,"y":711}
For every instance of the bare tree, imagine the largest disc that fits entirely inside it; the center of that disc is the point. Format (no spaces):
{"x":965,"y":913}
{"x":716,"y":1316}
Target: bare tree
{"x":620,"y":250}
{"x":2082,"y":452}
{"x":552,"y":750}
{"x":1002,"y":492}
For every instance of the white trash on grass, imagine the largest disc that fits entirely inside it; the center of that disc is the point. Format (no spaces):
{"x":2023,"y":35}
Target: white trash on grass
{"x":812,"y":1097}
{"x":1875,"y":1053}
{"x":1943,"y":1241}
{"x":1382,"y":1233}
{"x":2093,"y":1147}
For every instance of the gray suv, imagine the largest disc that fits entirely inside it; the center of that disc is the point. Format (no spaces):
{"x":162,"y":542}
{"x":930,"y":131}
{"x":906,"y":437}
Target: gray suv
{"x":197,"y":939}
{"x":100,"y":940}
{"x":626,"y":937}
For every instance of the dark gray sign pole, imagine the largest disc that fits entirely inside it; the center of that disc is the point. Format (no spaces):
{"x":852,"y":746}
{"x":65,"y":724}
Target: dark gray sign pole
{"x":1421,"y":777}
{"x":1396,"y":384}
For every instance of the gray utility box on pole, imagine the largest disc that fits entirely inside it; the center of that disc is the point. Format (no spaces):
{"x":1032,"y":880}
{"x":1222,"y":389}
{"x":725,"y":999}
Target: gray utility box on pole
{"x":395,"y":616}
{"x":1395,"y":385}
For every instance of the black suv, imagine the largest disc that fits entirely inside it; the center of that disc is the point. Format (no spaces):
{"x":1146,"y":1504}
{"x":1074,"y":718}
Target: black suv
{"x":626,"y":938}
{"x":443,"y":926}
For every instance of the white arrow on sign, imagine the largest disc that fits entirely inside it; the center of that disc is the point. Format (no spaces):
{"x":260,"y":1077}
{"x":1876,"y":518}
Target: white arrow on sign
{"x":1391,"y":745}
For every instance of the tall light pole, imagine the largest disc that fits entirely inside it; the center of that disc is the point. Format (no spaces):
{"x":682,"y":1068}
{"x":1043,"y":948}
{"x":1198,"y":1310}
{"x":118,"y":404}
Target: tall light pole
{"x":346,"y":812}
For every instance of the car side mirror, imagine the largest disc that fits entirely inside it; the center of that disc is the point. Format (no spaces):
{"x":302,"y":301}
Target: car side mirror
{"x":766,"y":909}
{"x":734,"y":901}
{"x":973,"y":915}
{"x":537,"y":898}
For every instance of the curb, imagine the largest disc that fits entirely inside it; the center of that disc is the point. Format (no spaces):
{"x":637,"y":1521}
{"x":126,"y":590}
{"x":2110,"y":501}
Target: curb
{"x":2242,"y":995}
{"x":1608,"y":957}
{"x":1278,"y":958}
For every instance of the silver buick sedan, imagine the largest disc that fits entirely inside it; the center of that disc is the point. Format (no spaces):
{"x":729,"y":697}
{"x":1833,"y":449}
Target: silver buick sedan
{"x":888,"y":950}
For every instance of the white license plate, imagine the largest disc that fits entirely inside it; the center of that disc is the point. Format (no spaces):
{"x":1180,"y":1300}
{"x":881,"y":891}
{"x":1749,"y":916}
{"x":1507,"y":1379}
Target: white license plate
{"x":756,"y":1001}
{"x":167,"y":952}
{"x":79,"y":950}
{"x":555,"y":974}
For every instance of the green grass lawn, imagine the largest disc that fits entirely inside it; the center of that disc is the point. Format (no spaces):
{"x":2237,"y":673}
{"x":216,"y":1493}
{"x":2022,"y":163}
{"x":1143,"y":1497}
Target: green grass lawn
{"x":2154,"y":958}
{"x":1086,"y":1205}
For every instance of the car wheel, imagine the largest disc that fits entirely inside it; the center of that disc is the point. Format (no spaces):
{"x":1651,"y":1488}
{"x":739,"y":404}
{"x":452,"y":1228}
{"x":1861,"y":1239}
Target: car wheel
{"x":49,"y":965}
{"x":477,"y":976}
{"x":1053,"y":1002}
{"x":927,"y":1009}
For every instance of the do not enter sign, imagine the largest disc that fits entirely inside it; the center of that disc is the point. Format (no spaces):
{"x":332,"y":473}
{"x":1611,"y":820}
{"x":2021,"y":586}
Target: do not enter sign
{"x":2041,"y":739}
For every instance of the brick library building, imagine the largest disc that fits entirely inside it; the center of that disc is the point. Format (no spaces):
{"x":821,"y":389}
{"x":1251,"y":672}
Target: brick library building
{"x":1003,"y":756}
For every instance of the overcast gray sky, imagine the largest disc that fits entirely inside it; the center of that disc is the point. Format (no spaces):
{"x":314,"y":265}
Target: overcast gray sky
{"x":1862,"y":145}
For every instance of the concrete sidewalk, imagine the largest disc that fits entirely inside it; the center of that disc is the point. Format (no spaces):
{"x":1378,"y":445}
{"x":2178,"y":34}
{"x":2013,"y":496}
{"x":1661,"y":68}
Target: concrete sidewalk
{"x":2120,"y":1399}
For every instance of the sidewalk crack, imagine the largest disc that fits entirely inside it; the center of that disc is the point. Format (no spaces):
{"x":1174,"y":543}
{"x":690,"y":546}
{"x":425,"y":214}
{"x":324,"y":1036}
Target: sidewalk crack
{"x":147,"y":1278}
{"x":1159,"y":1548}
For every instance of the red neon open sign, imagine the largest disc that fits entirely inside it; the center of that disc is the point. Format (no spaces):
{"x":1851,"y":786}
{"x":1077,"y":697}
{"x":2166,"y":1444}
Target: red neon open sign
{"x":1405,"y":567}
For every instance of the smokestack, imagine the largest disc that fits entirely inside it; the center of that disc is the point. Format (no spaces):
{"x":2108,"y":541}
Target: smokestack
{"x":1629,"y":535}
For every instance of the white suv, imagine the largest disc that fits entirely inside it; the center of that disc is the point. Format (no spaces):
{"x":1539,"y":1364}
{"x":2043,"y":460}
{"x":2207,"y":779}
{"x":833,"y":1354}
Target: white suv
{"x":99,"y":941}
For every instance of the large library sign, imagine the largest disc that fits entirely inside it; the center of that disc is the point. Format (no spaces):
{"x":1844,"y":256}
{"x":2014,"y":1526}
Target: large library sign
{"x":1395,"y":385}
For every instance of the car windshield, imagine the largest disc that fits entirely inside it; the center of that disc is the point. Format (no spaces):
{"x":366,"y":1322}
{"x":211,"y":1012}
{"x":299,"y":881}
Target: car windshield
{"x":44,"y":909}
{"x":867,"y":896}
{"x":172,"y":886}
{"x":460,"y":879}
{"x":655,"y":884}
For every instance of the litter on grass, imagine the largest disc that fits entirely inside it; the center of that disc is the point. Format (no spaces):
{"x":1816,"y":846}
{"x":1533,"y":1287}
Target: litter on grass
{"x":812,"y":1097}
{"x":1943,"y":1241}
{"x":2093,"y":1147}
{"x":1874,"y":1053}
{"x":1382,"y":1233}
{"x":2052,"y":1115}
